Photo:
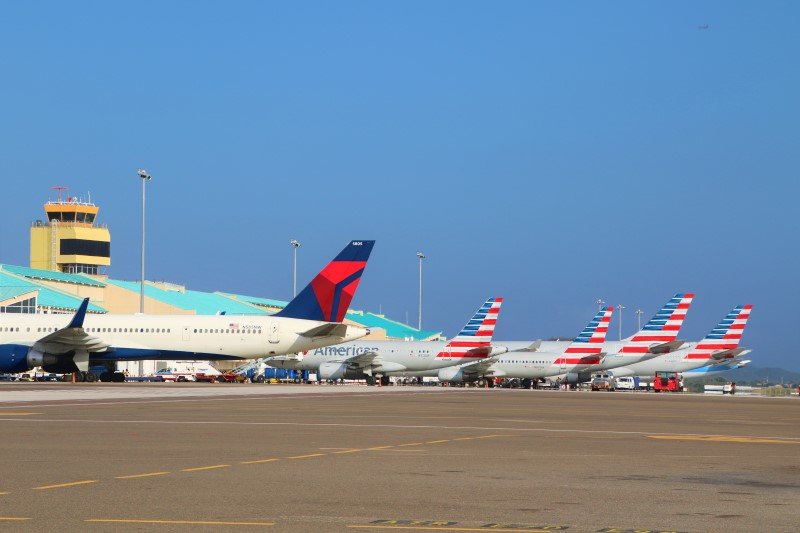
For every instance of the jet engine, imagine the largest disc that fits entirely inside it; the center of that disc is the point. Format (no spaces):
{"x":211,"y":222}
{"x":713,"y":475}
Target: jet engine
{"x":339,"y":371}
{"x":452,"y":374}
{"x":36,"y":358}
{"x":573,"y":378}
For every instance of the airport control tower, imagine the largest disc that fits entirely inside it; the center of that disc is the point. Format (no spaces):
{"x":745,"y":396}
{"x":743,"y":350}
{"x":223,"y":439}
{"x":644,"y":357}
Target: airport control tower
{"x":69,"y":240}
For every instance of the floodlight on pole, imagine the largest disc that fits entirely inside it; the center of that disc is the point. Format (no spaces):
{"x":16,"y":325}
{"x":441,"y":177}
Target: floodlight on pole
{"x":421,"y":256}
{"x":620,"y":307}
{"x":295,"y":245}
{"x":600,"y":303}
{"x":639,"y":314}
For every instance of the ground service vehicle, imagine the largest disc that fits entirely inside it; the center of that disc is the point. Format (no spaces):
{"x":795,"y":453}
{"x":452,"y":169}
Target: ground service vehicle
{"x":626,"y":383}
{"x":667,"y":382}
{"x":603,"y":382}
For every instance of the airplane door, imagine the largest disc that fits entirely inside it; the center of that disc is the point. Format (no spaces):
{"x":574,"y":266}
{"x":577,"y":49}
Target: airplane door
{"x":563,"y":365}
{"x":186,"y":333}
{"x":274,"y":333}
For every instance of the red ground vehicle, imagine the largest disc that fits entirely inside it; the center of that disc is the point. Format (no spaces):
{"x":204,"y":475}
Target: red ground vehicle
{"x":667,"y":381}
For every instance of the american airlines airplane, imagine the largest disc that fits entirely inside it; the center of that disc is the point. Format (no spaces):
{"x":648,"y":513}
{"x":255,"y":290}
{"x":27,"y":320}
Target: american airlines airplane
{"x":311,"y":320}
{"x":713,"y":370}
{"x":366,"y":360}
{"x":588,"y":352}
{"x":719,"y":346}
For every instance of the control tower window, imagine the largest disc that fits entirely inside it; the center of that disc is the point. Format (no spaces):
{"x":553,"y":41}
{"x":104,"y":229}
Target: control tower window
{"x":85,"y":247}
{"x":81,"y":217}
{"x":68,"y":217}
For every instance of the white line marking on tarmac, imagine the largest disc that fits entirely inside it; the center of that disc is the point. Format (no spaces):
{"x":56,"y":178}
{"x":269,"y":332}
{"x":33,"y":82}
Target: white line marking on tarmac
{"x":26,"y":404}
{"x":384,"y":426}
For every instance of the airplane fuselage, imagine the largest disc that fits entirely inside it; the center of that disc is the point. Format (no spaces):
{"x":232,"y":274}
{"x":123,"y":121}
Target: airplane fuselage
{"x":391,"y":357}
{"x":138,"y":337}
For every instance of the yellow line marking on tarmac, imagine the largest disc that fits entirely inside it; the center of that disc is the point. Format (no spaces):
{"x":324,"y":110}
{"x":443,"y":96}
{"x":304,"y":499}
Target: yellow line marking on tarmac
{"x":17,"y":413}
{"x":13,"y":518}
{"x":198,"y":468}
{"x":181,"y":522}
{"x":723,"y":438}
{"x":306,"y":456}
{"x":446,"y":528}
{"x":149,"y":474}
{"x":381,"y":447}
{"x":63,"y":485}
{"x":257,"y":461}
{"x":4,"y":493}
{"x":354,"y":450}
{"x":437,"y":441}
{"x":412,"y":444}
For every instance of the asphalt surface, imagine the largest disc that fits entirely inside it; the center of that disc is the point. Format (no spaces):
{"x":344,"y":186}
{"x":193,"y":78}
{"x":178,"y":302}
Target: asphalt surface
{"x":172,"y":457}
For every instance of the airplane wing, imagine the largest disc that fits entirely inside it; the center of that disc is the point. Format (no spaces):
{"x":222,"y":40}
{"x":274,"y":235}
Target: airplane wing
{"x":478,"y":368}
{"x":532,"y":348}
{"x":73,"y":337}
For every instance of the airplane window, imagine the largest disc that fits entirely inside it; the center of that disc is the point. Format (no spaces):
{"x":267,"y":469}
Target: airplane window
{"x":195,"y":331}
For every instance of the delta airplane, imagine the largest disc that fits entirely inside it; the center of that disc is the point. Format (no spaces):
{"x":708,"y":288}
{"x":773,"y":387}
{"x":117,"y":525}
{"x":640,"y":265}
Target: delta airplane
{"x":311,"y":320}
{"x":588,"y":352}
{"x":366,"y":360}
{"x":719,"y":346}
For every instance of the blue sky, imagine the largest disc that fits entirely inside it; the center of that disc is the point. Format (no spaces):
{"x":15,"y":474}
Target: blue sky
{"x":548,"y":152}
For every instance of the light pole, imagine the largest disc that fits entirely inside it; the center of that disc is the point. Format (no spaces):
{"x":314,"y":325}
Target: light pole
{"x":421,"y":256}
{"x":145,"y":178}
{"x":639,"y":314}
{"x":620,"y":307}
{"x":295,"y":245}
{"x":600,"y":303}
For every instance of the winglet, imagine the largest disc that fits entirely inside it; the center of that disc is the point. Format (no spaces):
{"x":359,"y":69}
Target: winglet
{"x":80,"y":314}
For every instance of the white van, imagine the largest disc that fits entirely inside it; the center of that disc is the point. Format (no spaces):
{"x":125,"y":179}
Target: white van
{"x":626,"y":383}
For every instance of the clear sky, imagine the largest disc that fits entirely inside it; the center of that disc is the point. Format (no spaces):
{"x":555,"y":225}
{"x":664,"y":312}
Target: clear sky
{"x":548,"y":152}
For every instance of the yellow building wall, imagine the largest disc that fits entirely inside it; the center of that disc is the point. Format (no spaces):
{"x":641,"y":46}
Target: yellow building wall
{"x":40,"y":247}
{"x":124,"y":302}
{"x":95,"y":294}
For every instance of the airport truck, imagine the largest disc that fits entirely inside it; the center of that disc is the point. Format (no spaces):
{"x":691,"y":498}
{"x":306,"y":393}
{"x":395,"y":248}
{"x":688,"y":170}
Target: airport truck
{"x":667,"y":382}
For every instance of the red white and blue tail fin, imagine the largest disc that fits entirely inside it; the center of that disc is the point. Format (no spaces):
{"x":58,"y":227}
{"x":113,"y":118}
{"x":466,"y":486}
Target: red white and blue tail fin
{"x":329,"y":294}
{"x":723,"y":341}
{"x":475,"y":338}
{"x":662,"y":330}
{"x":590,"y":340}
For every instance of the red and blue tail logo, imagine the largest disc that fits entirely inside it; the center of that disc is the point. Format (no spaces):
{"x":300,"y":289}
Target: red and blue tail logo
{"x":726,"y":336}
{"x":328,"y":296}
{"x":475,"y":338}
{"x":588,"y":345}
{"x":663,"y":327}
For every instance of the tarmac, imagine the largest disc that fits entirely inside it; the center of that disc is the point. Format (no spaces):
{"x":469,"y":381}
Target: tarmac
{"x":174,"y":457}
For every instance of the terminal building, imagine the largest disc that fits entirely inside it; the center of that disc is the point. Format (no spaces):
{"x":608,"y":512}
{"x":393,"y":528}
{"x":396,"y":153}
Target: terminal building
{"x":69,"y":255}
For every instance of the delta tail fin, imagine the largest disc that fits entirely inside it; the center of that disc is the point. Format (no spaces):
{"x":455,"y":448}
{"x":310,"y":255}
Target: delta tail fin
{"x":329,"y":294}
